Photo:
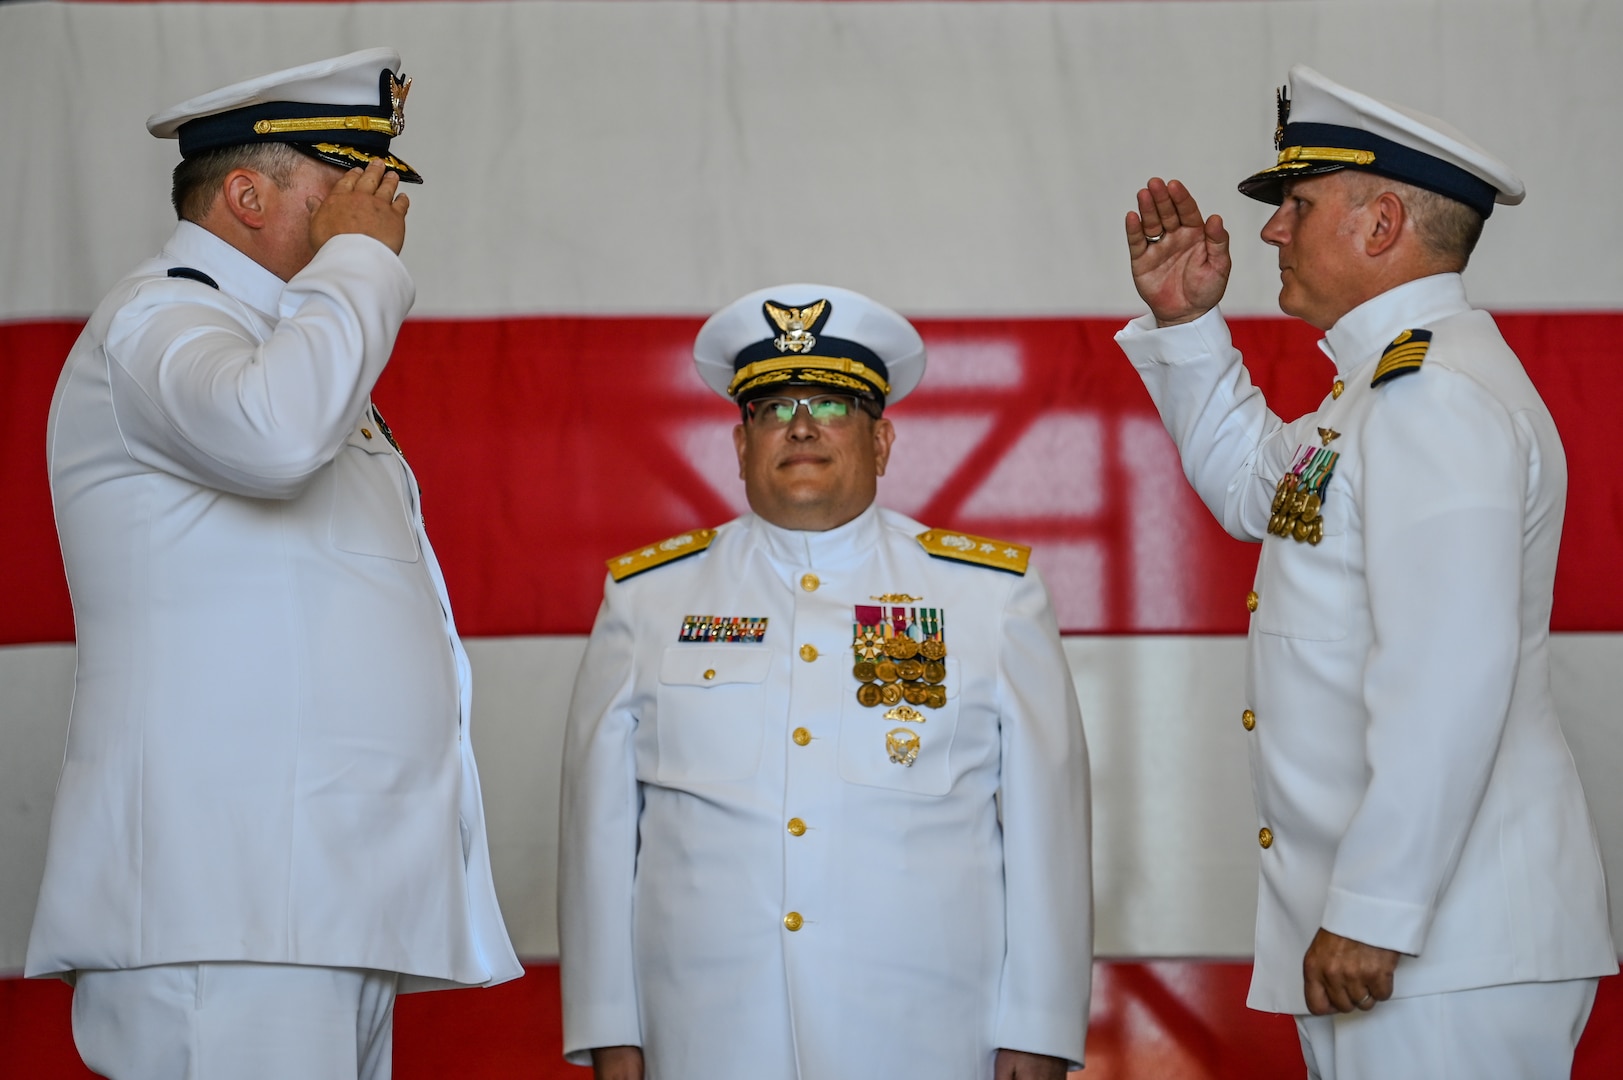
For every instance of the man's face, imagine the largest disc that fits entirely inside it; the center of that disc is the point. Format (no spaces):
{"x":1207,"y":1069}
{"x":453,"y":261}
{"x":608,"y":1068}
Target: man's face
{"x":1319,"y":231}
{"x":808,"y":474}
{"x":288,"y":213}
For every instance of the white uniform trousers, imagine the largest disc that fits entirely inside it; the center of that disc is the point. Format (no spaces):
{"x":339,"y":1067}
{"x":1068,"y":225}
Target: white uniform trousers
{"x":1520,"y":1031}
{"x":235,"y":1021}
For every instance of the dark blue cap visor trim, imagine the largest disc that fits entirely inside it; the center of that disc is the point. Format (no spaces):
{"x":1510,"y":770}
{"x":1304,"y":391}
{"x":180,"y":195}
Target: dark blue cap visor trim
{"x":1391,"y":159}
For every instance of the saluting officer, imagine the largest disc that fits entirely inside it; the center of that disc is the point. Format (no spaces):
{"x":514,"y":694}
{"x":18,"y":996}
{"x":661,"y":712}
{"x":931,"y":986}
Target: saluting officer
{"x":825,"y":794}
{"x":1432,"y":901}
{"x":269,"y":819}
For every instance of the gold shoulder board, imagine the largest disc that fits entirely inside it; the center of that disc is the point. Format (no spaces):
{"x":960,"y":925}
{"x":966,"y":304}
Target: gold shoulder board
{"x":635,"y":562}
{"x":1403,"y":356}
{"x":981,"y":550}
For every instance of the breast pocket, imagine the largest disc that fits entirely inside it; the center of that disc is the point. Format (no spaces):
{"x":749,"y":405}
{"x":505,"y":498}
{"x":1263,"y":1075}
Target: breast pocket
{"x":880,"y":747}
{"x":371,"y":510}
{"x":1304,"y":590}
{"x":710,"y":719}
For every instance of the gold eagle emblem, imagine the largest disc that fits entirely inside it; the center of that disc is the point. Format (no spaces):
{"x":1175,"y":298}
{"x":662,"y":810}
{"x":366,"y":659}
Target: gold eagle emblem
{"x":795,"y":325}
{"x":398,"y":89}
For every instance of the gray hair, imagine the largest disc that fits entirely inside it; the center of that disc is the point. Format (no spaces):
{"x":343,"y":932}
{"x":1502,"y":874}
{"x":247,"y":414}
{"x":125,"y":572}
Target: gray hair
{"x":1446,"y":228}
{"x":198,"y":178}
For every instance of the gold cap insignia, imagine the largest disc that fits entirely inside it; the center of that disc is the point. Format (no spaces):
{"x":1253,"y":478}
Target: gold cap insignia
{"x":795,"y":325}
{"x":398,"y":89}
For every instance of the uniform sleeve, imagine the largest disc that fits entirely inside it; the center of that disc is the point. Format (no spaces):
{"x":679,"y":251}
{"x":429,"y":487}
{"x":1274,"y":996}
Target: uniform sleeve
{"x":597,"y":844}
{"x":1444,"y":485}
{"x":197,"y":394}
{"x":1047,"y":839}
{"x":1232,"y":446}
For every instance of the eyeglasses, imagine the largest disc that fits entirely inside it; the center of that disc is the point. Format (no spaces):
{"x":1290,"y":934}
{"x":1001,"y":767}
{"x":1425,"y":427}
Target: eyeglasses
{"x":826,"y":410}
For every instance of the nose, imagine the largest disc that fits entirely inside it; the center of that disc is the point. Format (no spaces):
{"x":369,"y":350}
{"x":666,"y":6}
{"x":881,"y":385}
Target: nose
{"x":801,"y":424}
{"x":1274,"y":230}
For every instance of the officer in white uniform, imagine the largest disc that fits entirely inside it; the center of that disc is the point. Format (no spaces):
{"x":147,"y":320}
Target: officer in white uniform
{"x":825,"y":793}
{"x":1432,"y":903}
{"x":269,"y":819}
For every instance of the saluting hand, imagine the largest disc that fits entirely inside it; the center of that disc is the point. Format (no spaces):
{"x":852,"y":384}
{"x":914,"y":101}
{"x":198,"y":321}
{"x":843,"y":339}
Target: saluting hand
{"x":1180,"y":262}
{"x":365,"y":201}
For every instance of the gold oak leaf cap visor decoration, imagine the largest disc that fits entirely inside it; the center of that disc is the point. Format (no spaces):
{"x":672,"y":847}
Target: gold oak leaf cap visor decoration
{"x":809,"y":336}
{"x":1324,"y":126}
{"x":342,"y":111}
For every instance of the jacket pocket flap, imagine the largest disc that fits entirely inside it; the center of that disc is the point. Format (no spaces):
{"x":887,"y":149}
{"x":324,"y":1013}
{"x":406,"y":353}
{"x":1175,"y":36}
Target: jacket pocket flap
{"x":714,"y":665}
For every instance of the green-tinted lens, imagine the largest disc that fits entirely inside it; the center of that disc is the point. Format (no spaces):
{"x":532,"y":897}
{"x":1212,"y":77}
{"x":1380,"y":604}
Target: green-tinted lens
{"x":827,"y":408}
{"x":782,"y":409}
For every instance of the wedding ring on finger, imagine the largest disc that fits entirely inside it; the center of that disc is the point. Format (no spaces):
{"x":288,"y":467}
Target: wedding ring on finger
{"x":1156,"y":239}
{"x":1367,"y":999}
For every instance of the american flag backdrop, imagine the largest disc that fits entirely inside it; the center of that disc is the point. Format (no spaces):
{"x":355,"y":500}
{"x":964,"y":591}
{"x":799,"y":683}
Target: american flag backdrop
{"x":602,"y":174}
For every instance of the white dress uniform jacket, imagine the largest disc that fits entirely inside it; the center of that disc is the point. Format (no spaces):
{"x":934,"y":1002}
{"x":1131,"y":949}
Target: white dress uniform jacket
{"x":905,"y":932}
{"x":1405,"y":752}
{"x":268,"y":758}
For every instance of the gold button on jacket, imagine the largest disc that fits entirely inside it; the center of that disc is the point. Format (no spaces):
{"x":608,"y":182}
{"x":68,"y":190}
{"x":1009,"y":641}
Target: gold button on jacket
{"x":1266,"y":837}
{"x":801,"y":736}
{"x":797,"y":827}
{"x":808,"y":653}
{"x":1251,"y":600}
{"x":793,"y":921}
{"x":1248,"y":719}
{"x":809,"y":582}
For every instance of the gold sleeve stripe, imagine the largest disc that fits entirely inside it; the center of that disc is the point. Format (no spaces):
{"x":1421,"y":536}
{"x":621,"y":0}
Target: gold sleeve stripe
{"x":636,"y":561}
{"x":981,"y":550}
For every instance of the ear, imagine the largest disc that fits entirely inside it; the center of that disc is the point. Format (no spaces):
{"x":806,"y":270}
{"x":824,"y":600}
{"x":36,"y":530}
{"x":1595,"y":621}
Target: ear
{"x":884,"y":434}
{"x":739,"y":442}
{"x":243,"y":195}
{"x":1387,"y":217}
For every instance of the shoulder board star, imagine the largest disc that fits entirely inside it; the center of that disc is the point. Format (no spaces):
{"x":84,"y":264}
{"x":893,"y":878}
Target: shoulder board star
{"x":1403,"y":356}
{"x":680,"y":546}
{"x":961,"y":547}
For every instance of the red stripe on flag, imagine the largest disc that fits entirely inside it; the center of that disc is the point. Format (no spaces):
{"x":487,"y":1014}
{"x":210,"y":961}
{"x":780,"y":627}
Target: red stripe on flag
{"x":35,"y":606}
{"x":1169,"y":1019}
{"x":546,"y":445}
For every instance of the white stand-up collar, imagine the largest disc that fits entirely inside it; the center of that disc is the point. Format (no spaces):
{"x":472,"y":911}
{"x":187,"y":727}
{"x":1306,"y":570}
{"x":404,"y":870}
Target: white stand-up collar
{"x":1361,"y":334}
{"x":237,"y":275}
{"x":842,"y":544}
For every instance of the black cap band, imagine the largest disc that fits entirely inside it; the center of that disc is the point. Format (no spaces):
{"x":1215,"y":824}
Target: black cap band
{"x":1304,"y":153}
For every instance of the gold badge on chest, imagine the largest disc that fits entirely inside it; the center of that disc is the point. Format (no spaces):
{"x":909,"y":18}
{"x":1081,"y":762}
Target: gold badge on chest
{"x":903,"y":746}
